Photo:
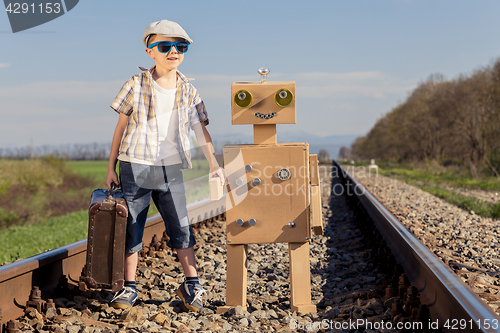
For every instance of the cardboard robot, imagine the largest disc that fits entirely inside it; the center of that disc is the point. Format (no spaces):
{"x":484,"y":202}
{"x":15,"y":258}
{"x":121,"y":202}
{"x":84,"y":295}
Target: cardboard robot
{"x":273,"y":190}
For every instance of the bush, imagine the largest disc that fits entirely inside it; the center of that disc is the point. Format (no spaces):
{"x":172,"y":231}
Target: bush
{"x":33,"y":190}
{"x":7,"y":217}
{"x":496,"y":211}
{"x":33,"y":175}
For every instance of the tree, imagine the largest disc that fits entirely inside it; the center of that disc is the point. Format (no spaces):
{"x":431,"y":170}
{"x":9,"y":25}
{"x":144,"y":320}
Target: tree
{"x":323,"y":156}
{"x":344,"y":153}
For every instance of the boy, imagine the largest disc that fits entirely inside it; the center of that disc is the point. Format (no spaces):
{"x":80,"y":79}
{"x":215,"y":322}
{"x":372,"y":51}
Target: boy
{"x":156,"y":110}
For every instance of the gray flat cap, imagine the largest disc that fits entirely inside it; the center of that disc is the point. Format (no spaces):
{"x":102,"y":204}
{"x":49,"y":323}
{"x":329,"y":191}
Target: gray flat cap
{"x":165,"y":28}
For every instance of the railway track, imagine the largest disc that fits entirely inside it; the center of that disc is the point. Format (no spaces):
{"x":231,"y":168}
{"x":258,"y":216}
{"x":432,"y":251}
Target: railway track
{"x":451,"y":302}
{"x":349,"y":277}
{"x":46,"y":270}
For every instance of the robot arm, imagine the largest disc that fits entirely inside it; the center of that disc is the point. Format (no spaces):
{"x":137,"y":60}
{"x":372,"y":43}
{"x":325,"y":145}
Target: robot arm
{"x":316,"y":211}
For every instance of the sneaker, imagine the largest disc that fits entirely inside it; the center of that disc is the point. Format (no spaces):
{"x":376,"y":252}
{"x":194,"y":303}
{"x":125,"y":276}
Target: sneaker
{"x":192,"y":295}
{"x":124,"y":299}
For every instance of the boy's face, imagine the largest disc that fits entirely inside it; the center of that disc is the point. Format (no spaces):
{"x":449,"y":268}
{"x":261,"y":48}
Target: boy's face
{"x":168,"y":61}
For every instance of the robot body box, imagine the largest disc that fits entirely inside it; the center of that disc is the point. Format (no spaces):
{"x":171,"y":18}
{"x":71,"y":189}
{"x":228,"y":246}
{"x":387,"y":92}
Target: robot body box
{"x":269,"y":193}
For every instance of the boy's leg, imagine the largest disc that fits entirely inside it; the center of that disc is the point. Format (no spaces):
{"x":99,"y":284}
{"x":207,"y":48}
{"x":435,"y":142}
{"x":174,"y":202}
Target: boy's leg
{"x":171,"y":202}
{"x":190,"y":291}
{"x":188,"y":261}
{"x":170,"y":199}
{"x":137,"y":197}
{"x":131,"y":260}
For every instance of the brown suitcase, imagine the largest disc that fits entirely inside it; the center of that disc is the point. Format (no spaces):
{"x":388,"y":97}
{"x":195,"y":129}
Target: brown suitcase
{"x":106,"y":240}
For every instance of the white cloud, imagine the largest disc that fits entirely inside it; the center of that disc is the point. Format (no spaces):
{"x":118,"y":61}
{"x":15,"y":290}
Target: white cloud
{"x":3,"y":65}
{"x":62,"y":90}
{"x":346,"y":107}
{"x":372,"y":84}
{"x":63,"y":99}
{"x":327,"y":103}
{"x":57,"y":130}
{"x":216,"y":86}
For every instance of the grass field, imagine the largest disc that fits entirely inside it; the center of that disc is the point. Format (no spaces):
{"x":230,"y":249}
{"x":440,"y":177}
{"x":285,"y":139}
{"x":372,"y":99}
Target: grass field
{"x":470,"y":204}
{"x":22,"y":241}
{"x":43,"y":231}
{"x":98,"y":169}
{"x":429,"y":179}
{"x":95,"y":169}
{"x":445,"y":177}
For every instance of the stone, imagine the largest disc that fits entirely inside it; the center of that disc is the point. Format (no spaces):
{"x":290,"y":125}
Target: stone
{"x":226,"y":327}
{"x":63,"y":311}
{"x":51,"y":313}
{"x":59,"y":330}
{"x":243,"y":322}
{"x":183,"y":329}
{"x":134,"y":315}
{"x":73,"y":329}
{"x":79,"y":299}
{"x":161,"y":319}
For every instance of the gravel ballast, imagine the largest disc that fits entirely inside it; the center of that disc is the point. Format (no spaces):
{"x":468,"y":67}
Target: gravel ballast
{"x":468,"y":243}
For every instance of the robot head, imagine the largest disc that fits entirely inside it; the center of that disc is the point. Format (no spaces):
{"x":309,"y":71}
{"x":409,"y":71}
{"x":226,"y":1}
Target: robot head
{"x":264,"y":102}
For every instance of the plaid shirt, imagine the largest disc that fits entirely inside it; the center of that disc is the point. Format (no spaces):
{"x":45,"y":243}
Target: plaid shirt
{"x":136,"y":99}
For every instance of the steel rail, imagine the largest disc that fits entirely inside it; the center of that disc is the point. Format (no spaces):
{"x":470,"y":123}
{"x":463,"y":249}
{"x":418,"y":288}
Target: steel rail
{"x":45,"y":269}
{"x":449,"y":299}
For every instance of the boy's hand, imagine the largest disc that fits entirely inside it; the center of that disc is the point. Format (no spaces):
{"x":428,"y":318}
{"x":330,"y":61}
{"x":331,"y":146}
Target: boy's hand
{"x":219,"y":173}
{"x":111,"y":177}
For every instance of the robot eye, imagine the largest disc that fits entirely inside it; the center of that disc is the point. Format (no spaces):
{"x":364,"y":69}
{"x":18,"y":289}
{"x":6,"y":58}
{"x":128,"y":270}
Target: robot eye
{"x":243,"y":98}
{"x":283,"y":97}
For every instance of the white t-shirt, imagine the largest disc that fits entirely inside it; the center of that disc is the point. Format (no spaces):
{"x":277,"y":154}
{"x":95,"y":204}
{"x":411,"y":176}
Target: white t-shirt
{"x":168,"y":129}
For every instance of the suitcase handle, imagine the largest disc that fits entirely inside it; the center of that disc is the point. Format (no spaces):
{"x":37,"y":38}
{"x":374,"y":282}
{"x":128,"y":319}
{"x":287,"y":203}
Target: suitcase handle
{"x":114,"y":188}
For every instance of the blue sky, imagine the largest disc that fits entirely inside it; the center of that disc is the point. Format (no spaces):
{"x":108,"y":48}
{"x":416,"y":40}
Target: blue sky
{"x":352,"y":61}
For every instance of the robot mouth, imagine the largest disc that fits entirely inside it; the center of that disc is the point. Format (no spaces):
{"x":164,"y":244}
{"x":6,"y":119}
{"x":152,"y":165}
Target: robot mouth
{"x":264,"y":115}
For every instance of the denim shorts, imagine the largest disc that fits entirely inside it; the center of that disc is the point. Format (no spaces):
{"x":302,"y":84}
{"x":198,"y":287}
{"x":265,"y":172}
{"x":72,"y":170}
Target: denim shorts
{"x":164,"y":184}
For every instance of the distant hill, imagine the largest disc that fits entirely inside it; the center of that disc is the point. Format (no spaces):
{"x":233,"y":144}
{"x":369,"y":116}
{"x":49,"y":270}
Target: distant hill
{"x":331,"y":143}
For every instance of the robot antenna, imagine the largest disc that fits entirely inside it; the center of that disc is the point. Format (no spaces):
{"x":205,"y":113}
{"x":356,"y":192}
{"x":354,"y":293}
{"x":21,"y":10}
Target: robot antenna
{"x":263,"y":71}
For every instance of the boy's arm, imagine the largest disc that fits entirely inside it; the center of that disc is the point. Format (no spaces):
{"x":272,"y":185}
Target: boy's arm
{"x":205,"y":142}
{"x":111,"y":176}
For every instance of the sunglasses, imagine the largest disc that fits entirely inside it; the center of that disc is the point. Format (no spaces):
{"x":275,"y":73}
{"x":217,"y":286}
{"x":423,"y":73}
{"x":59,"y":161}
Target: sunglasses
{"x":165,"y":46}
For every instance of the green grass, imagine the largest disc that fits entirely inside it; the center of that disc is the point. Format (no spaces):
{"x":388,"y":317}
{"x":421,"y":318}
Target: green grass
{"x":94,"y":169}
{"x":431,"y":181}
{"x":414,"y":176}
{"x":27,"y":240}
{"x":98,"y":169}
{"x":432,"y":177}
{"x":470,"y":204}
